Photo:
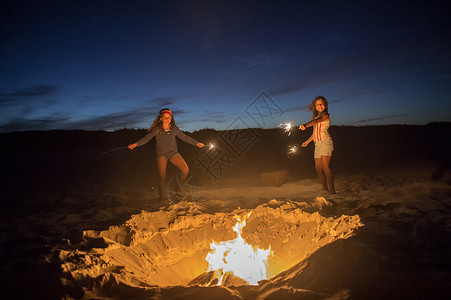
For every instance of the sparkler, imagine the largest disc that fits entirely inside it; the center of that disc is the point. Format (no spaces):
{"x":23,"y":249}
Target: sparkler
{"x":118,"y":148}
{"x":292,"y":149}
{"x":211,"y":146}
{"x":287,"y":126}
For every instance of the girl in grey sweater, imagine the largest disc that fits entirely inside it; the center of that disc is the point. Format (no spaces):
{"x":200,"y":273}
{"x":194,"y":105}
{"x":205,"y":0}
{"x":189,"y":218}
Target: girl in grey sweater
{"x":165,"y":131}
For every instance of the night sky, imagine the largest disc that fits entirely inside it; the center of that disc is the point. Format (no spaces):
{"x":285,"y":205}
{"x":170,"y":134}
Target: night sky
{"x":107,"y":65}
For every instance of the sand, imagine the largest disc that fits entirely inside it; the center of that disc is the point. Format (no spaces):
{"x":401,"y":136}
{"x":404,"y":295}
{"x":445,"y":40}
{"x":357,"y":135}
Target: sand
{"x":385,"y":235}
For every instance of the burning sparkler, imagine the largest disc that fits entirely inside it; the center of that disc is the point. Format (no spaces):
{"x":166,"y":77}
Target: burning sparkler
{"x":292,"y":149}
{"x":211,"y":146}
{"x":287,"y":126}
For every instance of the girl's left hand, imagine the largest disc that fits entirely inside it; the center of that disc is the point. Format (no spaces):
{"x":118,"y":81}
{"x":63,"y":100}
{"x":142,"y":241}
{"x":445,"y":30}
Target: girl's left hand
{"x":200,"y":145}
{"x":302,"y":127}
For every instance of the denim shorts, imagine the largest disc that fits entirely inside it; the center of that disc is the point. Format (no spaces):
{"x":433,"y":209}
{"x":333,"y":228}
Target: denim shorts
{"x":323,"y":148}
{"x":167,"y":155}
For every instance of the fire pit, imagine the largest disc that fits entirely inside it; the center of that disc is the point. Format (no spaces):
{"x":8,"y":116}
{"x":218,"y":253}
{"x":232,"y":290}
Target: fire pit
{"x":175,"y":247}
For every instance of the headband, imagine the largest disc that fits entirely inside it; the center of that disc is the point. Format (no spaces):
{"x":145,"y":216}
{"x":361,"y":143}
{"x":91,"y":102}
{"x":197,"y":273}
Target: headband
{"x":166,"y":111}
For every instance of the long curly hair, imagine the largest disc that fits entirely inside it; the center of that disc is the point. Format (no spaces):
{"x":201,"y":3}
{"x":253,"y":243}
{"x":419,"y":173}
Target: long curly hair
{"x":312,"y":107}
{"x":158,"y":122}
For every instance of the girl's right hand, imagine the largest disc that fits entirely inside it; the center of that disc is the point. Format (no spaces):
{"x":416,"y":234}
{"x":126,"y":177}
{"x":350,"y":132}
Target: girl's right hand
{"x":132,"y":146}
{"x":302,"y":127}
{"x":305,"y":144}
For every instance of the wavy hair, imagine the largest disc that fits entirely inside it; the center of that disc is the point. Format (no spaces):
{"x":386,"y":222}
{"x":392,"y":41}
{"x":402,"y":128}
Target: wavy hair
{"x":312,"y":107}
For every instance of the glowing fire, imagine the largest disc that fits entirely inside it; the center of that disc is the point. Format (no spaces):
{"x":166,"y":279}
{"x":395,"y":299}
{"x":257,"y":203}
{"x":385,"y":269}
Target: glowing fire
{"x":292,"y":149}
{"x":238,"y":257}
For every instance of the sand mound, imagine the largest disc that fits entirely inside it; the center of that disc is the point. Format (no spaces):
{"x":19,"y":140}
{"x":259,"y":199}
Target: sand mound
{"x":167,"y":248}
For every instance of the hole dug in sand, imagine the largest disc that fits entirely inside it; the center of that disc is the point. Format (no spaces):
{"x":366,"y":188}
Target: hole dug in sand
{"x":169,"y":248}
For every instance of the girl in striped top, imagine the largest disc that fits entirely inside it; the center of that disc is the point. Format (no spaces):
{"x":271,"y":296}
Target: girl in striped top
{"x":323,"y":142}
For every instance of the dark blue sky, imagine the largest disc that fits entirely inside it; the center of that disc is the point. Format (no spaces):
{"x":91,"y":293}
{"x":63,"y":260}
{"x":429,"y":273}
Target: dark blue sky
{"x":106,"y":65}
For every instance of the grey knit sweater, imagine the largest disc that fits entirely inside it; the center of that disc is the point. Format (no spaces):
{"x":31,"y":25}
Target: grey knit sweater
{"x":166,"y":141}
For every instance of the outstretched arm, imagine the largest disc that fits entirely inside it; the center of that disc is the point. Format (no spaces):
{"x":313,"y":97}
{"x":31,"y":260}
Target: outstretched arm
{"x":187,"y":139}
{"x":144,"y":140}
{"x":322,"y":118}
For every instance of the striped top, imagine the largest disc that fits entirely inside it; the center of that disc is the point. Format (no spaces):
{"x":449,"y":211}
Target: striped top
{"x":321,"y":131}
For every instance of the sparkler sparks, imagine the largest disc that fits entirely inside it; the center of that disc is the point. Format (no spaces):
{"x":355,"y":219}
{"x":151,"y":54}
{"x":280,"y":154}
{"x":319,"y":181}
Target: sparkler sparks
{"x":287,"y":126}
{"x":211,"y":146}
{"x":292,"y":149}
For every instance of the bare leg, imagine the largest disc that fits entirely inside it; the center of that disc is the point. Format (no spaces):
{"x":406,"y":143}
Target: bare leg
{"x":162,"y":164}
{"x":325,"y":162}
{"x":320,"y":172}
{"x":180,"y":163}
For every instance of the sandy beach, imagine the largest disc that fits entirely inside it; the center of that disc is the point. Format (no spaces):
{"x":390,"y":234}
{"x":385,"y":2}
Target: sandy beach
{"x":79,"y":224}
